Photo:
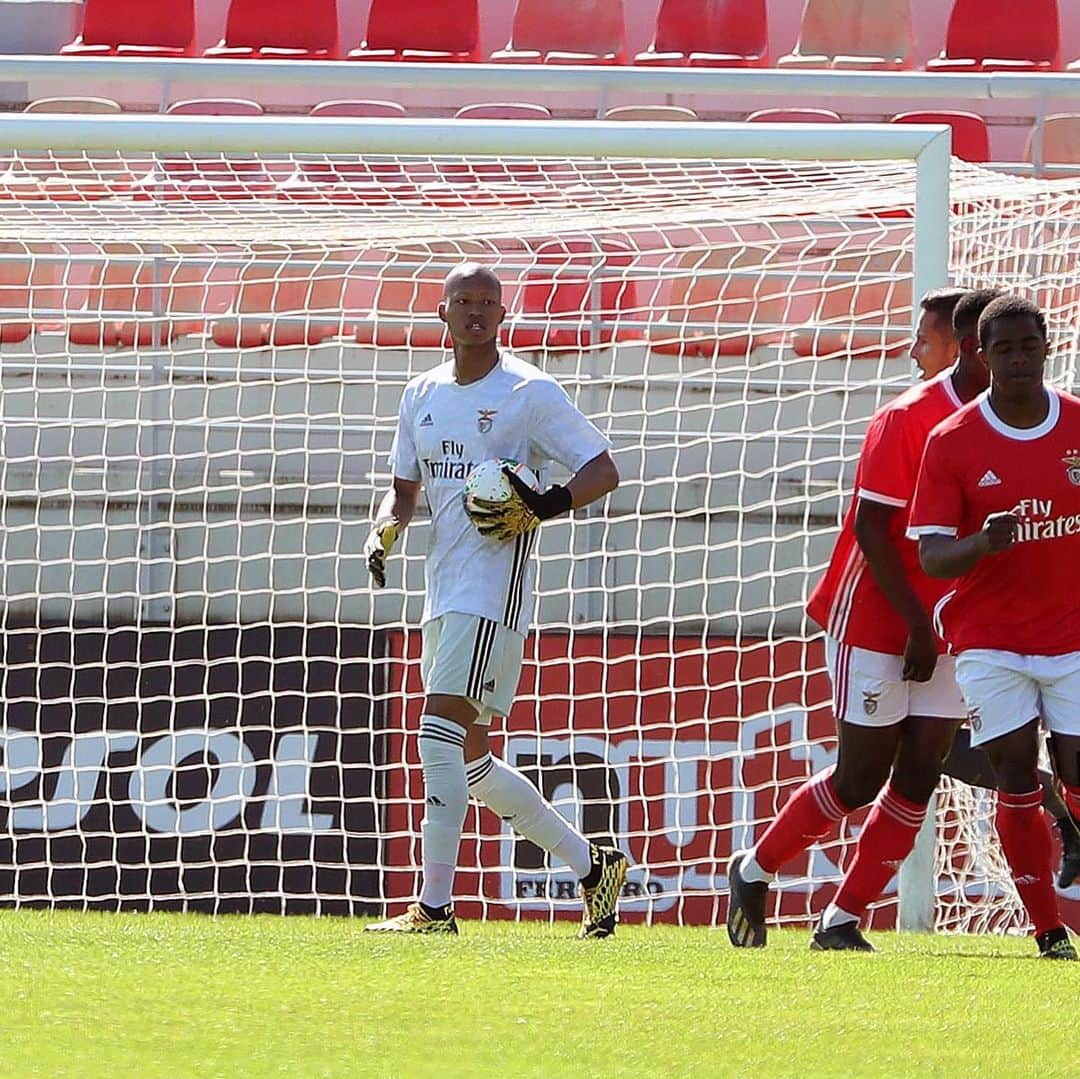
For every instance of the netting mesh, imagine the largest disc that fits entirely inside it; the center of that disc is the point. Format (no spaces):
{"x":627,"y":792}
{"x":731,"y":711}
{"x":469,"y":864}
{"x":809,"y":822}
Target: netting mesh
{"x":207,"y":705}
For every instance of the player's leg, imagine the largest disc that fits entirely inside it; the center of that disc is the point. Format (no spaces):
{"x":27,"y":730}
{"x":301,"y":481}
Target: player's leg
{"x":869,"y":710}
{"x":972,"y":766}
{"x":1003,"y":693}
{"x":516,"y":800}
{"x":452,"y":644}
{"x":1061,"y":705}
{"x":890,"y":830}
{"x":889,"y":833}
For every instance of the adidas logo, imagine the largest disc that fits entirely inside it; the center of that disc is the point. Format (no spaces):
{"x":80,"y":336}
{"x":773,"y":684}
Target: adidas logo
{"x":427,"y":421}
{"x":489,"y":686}
{"x":432,"y":800}
{"x":989,"y":479}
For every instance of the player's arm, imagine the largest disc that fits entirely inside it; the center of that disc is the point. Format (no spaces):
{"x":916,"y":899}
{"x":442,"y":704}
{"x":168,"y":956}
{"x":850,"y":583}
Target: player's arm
{"x":949,"y":556}
{"x":872,"y":531}
{"x":593,"y":480}
{"x":396,"y":510}
{"x":888,"y":470}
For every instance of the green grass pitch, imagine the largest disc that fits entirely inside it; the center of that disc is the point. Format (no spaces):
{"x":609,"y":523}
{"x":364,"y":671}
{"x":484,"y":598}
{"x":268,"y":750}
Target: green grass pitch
{"x":88,"y":995}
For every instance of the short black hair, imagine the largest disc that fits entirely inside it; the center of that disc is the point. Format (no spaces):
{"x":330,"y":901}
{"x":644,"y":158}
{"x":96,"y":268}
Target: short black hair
{"x":965,"y":318}
{"x":1010,"y":307}
{"x":942,"y":301}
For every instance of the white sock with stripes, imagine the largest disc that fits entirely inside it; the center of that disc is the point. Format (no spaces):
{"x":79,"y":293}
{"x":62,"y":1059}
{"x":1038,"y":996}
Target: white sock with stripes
{"x":442,"y":755}
{"x":507,"y":792}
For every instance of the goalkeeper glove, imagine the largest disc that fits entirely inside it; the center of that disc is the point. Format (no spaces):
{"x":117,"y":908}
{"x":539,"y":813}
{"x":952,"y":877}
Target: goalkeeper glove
{"x":377,"y":547}
{"x":544,"y":505}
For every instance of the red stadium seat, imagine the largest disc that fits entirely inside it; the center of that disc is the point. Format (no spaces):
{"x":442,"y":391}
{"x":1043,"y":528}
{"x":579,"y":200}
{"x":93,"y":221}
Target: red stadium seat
{"x":970,"y":135}
{"x":135,"y":28}
{"x":1060,"y":140}
{"x":279,"y":30}
{"x":793,"y":116}
{"x":853,"y":35}
{"x":424,"y":30}
{"x":369,"y":109}
{"x":296,"y":301}
{"x":717,"y":294}
{"x":709,"y":33}
{"x":858,"y":292}
{"x":566,"y":32}
{"x":559,"y":290}
{"x":27,"y":284}
{"x":504,"y":110}
{"x":1001,"y":35}
{"x":208,"y":176}
{"x":127,"y":290}
{"x":652,"y":114}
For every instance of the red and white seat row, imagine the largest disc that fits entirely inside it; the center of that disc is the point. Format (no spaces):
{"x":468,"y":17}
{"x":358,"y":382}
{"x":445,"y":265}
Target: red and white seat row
{"x":982,"y":35}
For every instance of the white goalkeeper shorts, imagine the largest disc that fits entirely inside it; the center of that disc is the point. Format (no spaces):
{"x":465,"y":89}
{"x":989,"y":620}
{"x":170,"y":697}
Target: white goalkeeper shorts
{"x":1005,"y":690}
{"x":868,"y":690}
{"x":464,"y":655}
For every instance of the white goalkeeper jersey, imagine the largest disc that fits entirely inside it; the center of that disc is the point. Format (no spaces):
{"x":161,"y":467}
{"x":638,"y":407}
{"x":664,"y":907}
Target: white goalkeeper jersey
{"x":444,"y":430}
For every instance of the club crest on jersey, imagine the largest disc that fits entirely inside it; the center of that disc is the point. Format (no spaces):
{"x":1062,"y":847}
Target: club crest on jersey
{"x":485,"y":418}
{"x":1072,"y":466}
{"x":870,"y":702}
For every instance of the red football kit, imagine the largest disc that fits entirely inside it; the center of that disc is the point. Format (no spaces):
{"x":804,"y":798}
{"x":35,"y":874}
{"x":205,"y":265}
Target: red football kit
{"x":1025,"y":599}
{"x":847,"y":602}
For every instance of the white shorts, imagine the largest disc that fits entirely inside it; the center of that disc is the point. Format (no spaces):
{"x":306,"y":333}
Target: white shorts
{"x":464,"y":655}
{"x":868,"y":690}
{"x":1005,"y":690}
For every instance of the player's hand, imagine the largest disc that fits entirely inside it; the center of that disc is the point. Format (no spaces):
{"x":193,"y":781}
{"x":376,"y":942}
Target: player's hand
{"x":544,"y":505}
{"x":377,"y":547}
{"x":501,"y":520}
{"x":1000,"y":531}
{"x":920,"y":655}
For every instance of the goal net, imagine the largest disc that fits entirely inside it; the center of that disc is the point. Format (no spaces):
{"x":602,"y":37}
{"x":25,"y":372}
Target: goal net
{"x":206,"y":704}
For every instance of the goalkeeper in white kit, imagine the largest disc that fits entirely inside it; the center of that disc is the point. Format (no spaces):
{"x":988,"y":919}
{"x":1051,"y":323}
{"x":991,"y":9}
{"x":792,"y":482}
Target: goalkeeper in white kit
{"x":484,"y":404}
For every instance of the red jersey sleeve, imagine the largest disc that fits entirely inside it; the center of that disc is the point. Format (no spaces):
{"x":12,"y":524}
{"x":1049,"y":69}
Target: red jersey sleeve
{"x":889,"y":462}
{"x":938,"y":506}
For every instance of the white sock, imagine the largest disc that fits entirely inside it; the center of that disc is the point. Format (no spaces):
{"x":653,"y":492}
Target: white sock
{"x":507,"y":792}
{"x":442,"y":755}
{"x":835,"y":915}
{"x":751,"y":872}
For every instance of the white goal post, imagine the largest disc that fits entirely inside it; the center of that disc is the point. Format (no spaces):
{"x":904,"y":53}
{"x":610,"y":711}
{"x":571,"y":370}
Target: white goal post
{"x":206,"y":324}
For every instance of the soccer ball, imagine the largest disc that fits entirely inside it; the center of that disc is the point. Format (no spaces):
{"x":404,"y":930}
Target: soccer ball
{"x":486,"y":485}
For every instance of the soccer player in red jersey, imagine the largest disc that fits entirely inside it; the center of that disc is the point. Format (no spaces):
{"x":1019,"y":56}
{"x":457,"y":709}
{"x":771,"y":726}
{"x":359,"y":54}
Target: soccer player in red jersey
{"x":896,"y":702}
{"x":997,"y":507}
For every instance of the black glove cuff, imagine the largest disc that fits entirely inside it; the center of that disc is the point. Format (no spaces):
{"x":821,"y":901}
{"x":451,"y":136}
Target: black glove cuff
{"x":554,"y":502}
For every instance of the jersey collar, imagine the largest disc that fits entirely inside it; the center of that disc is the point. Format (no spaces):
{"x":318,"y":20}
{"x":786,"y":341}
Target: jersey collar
{"x":1021,"y":434}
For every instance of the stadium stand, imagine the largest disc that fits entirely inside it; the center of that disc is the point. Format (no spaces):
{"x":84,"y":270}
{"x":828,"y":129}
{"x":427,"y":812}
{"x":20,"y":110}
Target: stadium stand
{"x":360,"y":108}
{"x":651,"y":113}
{"x":134,"y":28}
{"x":853,"y":34}
{"x":27,"y":283}
{"x":793,"y":116}
{"x":999,"y":35}
{"x":715,"y":296}
{"x":126,"y":289}
{"x":566,"y":32}
{"x":709,"y":33}
{"x":847,"y":316}
{"x":559,"y":289}
{"x":421,"y":30}
{"x":504,"y":110}
{"x":294,"y":301}
{"x":970,"y":135}
{"x":279,"y":30}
